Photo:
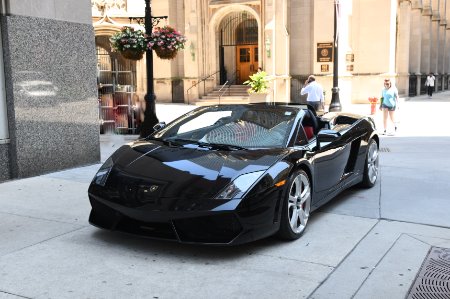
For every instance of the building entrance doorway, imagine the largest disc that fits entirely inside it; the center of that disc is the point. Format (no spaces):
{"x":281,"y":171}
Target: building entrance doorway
{"x":238,"y":47}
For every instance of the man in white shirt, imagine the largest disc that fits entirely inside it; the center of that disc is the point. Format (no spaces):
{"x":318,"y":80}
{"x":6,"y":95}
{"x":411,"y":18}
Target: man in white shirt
{"x":429,"y":83}
{"x":315,"y":93}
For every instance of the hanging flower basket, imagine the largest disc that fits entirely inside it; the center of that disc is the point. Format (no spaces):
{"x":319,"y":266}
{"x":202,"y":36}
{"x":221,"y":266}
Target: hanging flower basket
{"x":130,"y":43}
{"x":165,"y":53}
{"x":166,"y":41}
{"x":132,"y":54}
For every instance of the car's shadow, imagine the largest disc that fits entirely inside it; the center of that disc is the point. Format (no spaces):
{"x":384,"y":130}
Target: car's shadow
{"x":166,"y":248}
{"x":356,"y":201}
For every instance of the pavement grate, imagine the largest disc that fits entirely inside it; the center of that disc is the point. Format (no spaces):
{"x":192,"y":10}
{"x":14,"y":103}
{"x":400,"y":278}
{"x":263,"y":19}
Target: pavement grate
{"x":433,"y":280}
{"x":385,"y":150}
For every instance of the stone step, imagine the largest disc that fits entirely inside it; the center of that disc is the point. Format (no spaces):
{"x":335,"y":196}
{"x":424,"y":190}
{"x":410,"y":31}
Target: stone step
{"x":210,"y":97}
{"x":226,"y":93}
{"x":210,"y":100}
{"x":233,"y":87}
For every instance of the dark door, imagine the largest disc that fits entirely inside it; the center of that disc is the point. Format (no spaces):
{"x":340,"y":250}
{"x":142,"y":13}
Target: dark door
{"x":329,"y":166}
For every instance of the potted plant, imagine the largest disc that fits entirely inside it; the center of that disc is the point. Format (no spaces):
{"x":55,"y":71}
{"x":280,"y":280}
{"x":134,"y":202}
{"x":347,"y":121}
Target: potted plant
{"x":259,"y":87}
{"x":166,"y":41}
{"x":130,"y":43}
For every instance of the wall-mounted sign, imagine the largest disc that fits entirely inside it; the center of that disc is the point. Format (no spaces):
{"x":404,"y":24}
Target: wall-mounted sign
{"x":350,"y":57}
{"x":324,"y":52}
{"x":324,"y":68}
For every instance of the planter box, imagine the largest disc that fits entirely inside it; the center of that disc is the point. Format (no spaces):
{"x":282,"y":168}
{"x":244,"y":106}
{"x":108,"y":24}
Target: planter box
{"x":258,"y":97}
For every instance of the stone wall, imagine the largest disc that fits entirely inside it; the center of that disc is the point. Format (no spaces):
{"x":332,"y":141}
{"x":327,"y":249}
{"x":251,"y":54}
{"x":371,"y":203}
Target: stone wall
{"x":51,"y":94}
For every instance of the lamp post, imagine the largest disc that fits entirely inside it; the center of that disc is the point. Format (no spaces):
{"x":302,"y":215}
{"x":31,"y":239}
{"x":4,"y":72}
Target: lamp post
{"x":150,"y":118}
{"x":335,"y":104}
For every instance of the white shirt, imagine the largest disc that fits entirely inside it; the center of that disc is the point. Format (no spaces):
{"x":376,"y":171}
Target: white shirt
{"x":314,"y":91}
{"x":430,"y":81}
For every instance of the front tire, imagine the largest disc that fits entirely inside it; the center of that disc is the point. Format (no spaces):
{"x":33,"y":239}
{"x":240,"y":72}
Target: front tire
{"x":296,"y":206}
{"x":371,"y":165}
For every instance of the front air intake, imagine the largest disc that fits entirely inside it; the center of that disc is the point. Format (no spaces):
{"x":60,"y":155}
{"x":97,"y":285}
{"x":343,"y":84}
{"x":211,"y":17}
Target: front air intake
{"x":217,"y":229}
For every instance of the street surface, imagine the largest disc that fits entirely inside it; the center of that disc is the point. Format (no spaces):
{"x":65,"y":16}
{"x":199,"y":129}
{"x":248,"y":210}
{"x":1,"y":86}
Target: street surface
{"x":364,"y":244}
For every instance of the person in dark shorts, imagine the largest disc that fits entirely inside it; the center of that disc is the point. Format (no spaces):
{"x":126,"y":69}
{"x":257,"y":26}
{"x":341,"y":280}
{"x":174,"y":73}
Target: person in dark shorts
{"x":388,"y":104}
{"x":429,"y":83}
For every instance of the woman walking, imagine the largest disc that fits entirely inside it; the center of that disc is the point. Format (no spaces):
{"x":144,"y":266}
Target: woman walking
{"x":389,"y":103}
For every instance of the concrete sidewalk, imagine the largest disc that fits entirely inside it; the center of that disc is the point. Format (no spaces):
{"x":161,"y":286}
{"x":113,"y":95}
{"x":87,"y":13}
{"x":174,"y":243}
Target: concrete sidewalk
{"x":364,"y":244}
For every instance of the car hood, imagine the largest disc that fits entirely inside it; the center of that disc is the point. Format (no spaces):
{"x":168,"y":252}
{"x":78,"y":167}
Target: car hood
{"x":186,"y":171}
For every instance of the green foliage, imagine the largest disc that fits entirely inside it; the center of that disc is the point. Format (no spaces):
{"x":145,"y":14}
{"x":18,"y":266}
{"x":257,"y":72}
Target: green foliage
{"x":258,"y":82}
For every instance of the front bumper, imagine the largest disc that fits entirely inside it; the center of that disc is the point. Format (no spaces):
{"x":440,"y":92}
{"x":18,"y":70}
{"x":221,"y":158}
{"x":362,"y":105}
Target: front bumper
{"x":224,"y":227}
{"x":205,"y":228}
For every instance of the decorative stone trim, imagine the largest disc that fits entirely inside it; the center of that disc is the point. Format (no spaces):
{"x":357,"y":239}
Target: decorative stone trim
{"x":417,"y":4}
{"x":103,"y":5}
{"x":436,"y":16}
{"x":427,"y":11}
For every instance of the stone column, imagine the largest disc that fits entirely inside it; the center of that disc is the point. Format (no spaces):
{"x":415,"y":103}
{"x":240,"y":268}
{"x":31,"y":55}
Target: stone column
{"x":426,"y":38}
{"x":447,"y":45}
{"x":191,"y":53}
{"x":415,"y":42}
{"x":403,"y":43}
{"x":434,"y":44}
{"x":443,"y":47}
{"x":277,"y":29}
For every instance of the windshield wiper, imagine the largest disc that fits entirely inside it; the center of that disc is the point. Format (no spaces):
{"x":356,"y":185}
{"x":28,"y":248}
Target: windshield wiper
{"x":180,"y":141}
{"x":225,"y":146}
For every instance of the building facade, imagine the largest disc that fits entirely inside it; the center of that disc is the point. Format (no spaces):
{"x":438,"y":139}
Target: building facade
{"x":48,"y":90}
{"x":290,"y":39}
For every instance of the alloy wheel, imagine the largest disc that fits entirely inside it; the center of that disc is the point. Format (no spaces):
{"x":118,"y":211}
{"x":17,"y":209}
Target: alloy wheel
{"x":372,"y":162}
{"x":299,"y":203}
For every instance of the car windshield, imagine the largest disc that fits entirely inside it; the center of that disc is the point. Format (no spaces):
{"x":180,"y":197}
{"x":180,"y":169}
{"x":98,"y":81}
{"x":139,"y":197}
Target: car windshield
{"x":232,"y":127}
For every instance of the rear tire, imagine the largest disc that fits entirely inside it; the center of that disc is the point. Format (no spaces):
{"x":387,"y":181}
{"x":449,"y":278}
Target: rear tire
{"x":371,"y":165}
{"x":296,"y":206}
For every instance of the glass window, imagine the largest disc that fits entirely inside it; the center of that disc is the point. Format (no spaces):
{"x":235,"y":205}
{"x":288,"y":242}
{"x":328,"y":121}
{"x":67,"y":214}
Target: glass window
{"x":244,"y":55}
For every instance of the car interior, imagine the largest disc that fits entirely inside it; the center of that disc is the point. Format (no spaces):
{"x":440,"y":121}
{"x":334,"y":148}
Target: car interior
{"x":311,"y":125}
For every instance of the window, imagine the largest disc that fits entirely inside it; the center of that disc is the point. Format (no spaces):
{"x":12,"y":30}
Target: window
{"x":244,"y":55}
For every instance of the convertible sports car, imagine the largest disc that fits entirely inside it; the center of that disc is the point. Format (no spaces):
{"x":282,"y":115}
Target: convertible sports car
{"x":231,"y":174}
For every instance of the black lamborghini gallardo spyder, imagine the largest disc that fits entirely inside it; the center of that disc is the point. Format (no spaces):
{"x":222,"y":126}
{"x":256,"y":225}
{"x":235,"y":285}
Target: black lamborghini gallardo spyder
{"x":230,"y":174}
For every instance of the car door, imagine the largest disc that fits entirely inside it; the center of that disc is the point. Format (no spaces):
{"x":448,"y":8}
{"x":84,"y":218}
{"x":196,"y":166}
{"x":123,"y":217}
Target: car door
{"x":329,"y":161}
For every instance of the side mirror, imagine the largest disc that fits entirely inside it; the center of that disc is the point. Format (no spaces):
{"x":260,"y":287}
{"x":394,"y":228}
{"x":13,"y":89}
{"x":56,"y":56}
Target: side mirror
{"x":159,"y":126}
{"x":327,"y":136}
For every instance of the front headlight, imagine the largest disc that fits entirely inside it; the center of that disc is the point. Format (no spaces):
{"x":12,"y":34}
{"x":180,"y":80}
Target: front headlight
{"x":102,"y":174}
{"x":240,"y":185}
